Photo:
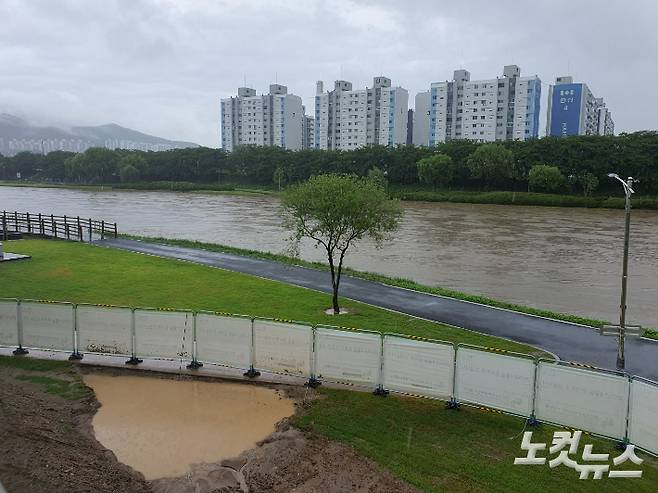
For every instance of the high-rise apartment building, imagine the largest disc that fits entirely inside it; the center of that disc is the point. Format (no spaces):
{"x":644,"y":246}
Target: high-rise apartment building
{"x":308,"y":132}
{"x":573,"y":110}
{"x":274,"y":119}
{"x":504,"y":108}
{"x":348,"y":119}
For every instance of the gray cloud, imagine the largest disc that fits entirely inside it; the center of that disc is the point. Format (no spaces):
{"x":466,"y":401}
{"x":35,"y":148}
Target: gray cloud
{"x":161,"y":66}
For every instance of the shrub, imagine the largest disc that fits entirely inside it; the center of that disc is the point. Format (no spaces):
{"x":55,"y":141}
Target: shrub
{"x":545,"y":178}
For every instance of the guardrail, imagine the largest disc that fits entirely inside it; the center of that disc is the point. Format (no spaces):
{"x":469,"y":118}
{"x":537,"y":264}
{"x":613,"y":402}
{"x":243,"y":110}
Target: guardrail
{"x":606,"y":403}
{"x":68,"y":227}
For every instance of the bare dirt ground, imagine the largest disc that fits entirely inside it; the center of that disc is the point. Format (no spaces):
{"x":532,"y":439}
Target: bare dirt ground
{"x":48,"y":446}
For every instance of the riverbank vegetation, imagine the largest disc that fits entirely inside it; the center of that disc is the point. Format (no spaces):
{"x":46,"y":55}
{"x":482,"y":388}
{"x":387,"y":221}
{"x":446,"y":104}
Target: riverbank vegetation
{"x":574,"y":168}
{"x":82,"y":273}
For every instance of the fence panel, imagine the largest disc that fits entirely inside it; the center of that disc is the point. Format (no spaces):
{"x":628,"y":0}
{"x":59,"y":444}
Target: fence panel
{"x":353,"y":357}
{"x":8,"y":323}
{"x":48,"y":325}
{"x":105,"y":330}
{"x":418,"y":367}
{"x":223,"y":340}
{"x":643,"y":419}
{"x":495,"y":380}
{"x":163,"y":334}
{"x":283,"y":347}
{"x":585,"y":399}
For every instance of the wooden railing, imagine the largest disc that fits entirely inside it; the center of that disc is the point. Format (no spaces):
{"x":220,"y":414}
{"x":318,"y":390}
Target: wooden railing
{"x":67,"y":227}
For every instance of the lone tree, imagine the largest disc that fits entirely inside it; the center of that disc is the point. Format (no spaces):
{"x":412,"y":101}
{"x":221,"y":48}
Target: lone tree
{"x":335,"y":211}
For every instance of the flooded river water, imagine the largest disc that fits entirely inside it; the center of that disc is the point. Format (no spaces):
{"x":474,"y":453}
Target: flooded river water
{"x":161,"y":426}
{"x":561,"y":259}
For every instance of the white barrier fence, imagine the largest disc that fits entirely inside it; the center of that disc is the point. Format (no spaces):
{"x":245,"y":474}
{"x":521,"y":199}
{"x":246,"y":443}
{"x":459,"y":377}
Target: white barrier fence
{"x":606,"y":403}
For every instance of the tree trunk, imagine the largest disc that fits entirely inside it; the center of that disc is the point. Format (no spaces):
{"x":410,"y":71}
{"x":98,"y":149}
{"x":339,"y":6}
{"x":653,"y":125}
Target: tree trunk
{"x":334,"y":284}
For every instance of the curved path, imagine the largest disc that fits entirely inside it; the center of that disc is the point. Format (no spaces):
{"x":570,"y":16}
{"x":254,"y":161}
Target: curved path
{"x":570,"y":342}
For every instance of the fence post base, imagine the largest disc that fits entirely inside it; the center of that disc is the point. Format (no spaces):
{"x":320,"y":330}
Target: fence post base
{"x":313,"y":383}
{"x":380,"y":391}
{"x":452,"y":404}
{"x":134,"y":360}
{"x":622,"y":445}
{"x":20,"y":351}
{"x":194,"y":365}
{"x":251,"y":373}
{"x":75,"y":356}
{"x":532,"y":421}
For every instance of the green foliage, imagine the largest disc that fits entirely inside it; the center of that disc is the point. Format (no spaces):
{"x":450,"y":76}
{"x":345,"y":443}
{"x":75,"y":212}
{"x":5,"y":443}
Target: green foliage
{"x":336,"y":211}
{"x":545,"y":178}
{"x":492,"y":164}
{"x":578,"y":158}
{"x":437,"y":170}
{"x":379,"y":176}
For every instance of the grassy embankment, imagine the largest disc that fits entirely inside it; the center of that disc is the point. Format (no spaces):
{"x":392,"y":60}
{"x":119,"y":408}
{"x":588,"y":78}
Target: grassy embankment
{"x":78,"y":272}
{"x":519,"y":198}
{"x":371,"y":276}
{"x":418,"y":440}
{"x":402,"y":192}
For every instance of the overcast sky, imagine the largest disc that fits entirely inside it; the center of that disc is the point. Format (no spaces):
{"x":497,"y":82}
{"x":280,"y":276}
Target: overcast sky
{"x":161,"y":66}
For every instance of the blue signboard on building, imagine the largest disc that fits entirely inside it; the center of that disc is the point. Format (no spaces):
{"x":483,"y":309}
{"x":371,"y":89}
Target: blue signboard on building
{"x":565,"y":109}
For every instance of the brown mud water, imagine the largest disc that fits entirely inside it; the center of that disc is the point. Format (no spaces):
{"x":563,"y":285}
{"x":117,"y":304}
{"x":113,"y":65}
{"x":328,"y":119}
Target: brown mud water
{"x":160,"y":427}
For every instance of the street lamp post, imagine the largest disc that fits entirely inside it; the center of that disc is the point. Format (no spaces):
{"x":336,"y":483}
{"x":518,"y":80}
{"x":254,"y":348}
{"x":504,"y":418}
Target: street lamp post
{"x":628,"y":191}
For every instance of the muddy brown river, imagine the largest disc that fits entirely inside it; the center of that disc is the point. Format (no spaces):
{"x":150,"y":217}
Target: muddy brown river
{"x":160,"y":427}
{"x":561,"y":259}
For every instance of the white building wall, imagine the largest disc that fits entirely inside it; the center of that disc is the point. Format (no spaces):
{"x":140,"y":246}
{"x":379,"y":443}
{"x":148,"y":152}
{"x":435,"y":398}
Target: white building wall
{"x":353,"y":119}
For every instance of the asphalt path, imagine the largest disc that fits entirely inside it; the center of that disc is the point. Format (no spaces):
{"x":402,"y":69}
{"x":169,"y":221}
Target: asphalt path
{"x":569,"y":342}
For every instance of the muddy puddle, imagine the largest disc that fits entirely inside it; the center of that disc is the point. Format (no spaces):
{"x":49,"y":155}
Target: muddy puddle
{"x":161,"y":426}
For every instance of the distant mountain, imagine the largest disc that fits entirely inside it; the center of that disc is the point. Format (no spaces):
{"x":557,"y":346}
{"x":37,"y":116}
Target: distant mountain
{"x":17,"y":135}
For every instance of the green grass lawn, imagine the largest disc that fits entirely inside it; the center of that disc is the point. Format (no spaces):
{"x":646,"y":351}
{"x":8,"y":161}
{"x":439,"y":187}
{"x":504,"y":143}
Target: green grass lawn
{"x":467,"y":450}
{"x":82,"y":273}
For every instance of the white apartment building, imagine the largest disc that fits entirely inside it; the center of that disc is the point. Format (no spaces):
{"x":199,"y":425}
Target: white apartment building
{"x":504,"y":108}
{"x":573,"y":110}
{"x":274,"y":119}
{"x":308,"y":132}
{"x":348,"y":119}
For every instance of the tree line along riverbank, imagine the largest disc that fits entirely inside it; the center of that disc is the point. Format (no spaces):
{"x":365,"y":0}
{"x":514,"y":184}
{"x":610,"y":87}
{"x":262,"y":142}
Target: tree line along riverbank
{"x":568,"y":171}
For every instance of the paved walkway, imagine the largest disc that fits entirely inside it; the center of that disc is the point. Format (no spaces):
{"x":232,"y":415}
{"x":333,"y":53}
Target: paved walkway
{"x":570,"y":342}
